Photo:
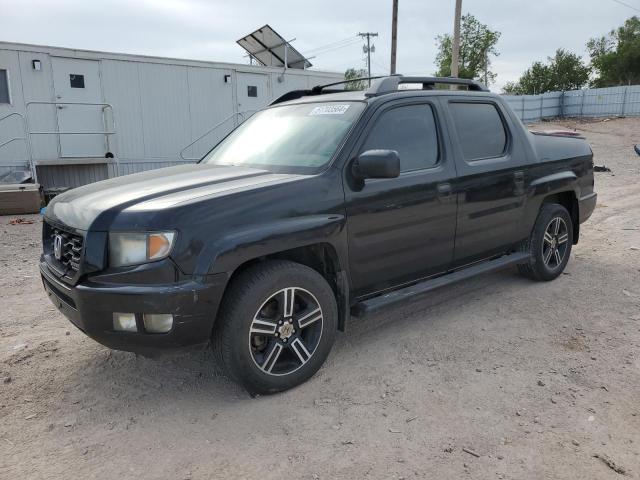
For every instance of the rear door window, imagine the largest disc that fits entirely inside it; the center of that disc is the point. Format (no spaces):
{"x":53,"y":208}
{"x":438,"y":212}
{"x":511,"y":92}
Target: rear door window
{"x":411,"y":131}
{"x":480,"y":129}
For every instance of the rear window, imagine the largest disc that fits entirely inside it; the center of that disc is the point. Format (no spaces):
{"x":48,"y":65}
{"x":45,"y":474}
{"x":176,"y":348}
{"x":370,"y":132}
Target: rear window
{"x":480,"y":129}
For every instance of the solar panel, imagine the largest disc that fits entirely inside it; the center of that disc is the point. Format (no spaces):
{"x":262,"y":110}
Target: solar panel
{"x":268,"y":48}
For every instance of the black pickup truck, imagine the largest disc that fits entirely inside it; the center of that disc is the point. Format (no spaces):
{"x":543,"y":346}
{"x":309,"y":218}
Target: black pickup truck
{"x":323,"y":206}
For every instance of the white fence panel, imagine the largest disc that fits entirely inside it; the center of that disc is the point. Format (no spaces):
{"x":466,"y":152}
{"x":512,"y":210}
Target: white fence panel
{"x":595,"y":102}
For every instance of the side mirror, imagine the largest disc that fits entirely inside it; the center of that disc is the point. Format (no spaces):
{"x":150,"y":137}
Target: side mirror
{"x":376,"y":164}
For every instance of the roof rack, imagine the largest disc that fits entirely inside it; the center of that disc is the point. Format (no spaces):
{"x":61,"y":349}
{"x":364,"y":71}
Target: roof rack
{"x":383,"y":85}
{"x":295,"y":94}
{"x":318,"y":90}
{"x":390,"y":84}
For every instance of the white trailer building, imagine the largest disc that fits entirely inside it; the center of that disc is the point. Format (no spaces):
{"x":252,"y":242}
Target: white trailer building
{"x":78,"y":116}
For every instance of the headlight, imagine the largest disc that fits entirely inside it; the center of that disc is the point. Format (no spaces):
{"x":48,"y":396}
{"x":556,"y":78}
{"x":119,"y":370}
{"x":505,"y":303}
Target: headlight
{"x":136,"y":248}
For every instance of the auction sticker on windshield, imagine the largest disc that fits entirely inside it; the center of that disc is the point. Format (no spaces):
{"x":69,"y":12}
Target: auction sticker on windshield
{"x":329,"y":110}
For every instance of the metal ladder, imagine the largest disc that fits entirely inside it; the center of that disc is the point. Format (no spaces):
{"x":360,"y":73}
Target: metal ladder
{"x":28,"y":132}
{"x":105,"y":132}
{"x":25,"y":138}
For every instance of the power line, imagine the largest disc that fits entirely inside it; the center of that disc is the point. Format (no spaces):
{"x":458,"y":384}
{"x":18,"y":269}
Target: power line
{"x":385,"y":70}
{"x":337,"y":47}
{"x":332,"y":47}
{"x":333,"y":44}
{"x":340,"y":66}
{"x":329,"y":50}
{"x":627,"y":5}
{"x":349,"y":64}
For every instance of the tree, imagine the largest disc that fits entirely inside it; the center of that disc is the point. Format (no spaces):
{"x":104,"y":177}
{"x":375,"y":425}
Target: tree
{"x":534,"y":80}
{"x":616,"y":56}
{"x":564,"y":71}
{"x":568,"y":71}
{"x":352,"y":74}
{"x":477,"y":45}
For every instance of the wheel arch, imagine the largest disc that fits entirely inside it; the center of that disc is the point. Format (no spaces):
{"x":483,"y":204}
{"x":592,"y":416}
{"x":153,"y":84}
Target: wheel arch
{"x":560,"y":187}
{"x":569,"y":200}
{"x":323,"y":257}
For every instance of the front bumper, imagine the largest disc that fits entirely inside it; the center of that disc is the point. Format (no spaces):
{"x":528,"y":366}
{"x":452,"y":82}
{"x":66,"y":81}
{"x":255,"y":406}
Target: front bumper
{"x":90,"y":305}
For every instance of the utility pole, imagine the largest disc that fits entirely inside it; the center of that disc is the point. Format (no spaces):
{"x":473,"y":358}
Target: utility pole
{"x":394,"y":36}
{"x":486,"y":68}
{"x":368,"y":49}
{"x":455,"y":50}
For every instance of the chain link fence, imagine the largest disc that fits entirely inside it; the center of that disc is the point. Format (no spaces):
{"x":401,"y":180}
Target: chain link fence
{"x":593,"y":102}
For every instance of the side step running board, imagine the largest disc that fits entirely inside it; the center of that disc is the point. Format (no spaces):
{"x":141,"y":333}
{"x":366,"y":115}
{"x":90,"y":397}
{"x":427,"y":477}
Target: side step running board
{"x":374,"y":304}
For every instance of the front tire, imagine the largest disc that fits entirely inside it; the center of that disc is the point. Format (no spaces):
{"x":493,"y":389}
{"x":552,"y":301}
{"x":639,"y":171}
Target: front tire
{"x":549,"y":244}
{"x":276,"y":326}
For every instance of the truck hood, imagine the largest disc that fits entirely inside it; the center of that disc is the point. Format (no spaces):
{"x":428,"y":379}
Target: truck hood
{"x":152,"y":191}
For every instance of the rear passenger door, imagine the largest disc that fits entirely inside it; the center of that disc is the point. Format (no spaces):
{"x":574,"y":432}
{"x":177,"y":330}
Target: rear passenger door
{"x":402,"y":229}
{"x":491,"y":178}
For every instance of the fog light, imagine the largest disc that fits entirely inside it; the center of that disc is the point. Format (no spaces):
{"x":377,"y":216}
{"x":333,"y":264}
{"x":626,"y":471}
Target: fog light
{"x":158,"y":322}
{"x":125,"y":322}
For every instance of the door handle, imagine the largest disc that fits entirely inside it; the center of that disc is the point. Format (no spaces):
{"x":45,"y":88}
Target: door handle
{"x":444,"y":191}
{"x":518,"y":179}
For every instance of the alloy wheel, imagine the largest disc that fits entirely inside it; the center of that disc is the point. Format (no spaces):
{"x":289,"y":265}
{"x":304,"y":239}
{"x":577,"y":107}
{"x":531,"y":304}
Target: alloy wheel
{"x":285,"y":331}
{"x":555,"y":243}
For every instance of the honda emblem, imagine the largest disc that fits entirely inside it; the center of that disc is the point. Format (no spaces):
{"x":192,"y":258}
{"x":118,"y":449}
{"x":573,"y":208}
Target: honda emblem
{"x":57,"y":247}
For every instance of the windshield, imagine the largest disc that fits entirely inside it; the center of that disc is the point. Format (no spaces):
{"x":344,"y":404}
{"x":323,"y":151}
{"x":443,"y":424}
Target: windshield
{"x":299,"y":138}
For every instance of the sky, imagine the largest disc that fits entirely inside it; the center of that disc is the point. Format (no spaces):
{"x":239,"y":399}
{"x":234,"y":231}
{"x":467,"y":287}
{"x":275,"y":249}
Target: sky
{"x":208,"y":29}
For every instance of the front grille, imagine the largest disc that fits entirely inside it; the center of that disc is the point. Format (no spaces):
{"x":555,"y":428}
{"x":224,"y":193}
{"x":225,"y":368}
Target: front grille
{"x":71,"y":249}
{"x":70,"y":257}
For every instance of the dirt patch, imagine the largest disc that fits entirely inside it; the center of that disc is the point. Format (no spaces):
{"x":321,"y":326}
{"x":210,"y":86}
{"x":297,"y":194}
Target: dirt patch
{"x":537,"y":380}
{"x":575,"y":344}
{"x":39,"y":353}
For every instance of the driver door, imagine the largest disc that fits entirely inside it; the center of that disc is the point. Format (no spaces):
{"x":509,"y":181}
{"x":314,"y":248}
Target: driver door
{"x":402,"y":229}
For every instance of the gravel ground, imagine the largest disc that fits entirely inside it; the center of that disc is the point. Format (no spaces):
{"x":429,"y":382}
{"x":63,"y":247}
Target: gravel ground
{"x":497,"y":377}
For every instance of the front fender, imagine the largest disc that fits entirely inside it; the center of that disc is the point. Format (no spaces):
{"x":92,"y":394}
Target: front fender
{"x":227,"y":253}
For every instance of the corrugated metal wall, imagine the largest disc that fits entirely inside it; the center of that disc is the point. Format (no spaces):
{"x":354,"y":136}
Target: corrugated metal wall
{"x":72,"y":175}
{"x":594,"y":102}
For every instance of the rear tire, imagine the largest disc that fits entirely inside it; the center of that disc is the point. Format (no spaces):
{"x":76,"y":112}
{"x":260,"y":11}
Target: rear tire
{"x":549,"y":244}
{"x":276,"y":326}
